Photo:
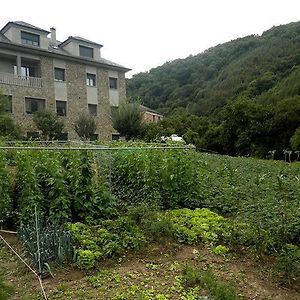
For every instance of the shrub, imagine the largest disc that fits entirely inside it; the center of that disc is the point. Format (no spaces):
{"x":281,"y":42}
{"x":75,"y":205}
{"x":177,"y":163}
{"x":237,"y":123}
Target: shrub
{"x":49,"y":124}
{"x":85,"y":126}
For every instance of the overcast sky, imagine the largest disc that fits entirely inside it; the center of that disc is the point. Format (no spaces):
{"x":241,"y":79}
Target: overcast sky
{"x":143,"y":34}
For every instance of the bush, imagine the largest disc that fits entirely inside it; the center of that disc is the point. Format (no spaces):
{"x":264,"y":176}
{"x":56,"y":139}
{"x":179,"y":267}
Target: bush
{"x":85,"y":126}
{"x":49,"y":124}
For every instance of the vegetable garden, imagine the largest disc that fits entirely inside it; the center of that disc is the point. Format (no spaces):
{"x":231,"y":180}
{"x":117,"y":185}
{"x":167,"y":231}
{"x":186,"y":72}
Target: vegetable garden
{"x":90,"y":205}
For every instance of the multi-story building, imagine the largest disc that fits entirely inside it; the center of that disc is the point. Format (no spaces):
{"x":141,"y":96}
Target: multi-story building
{"x":70,"y":77}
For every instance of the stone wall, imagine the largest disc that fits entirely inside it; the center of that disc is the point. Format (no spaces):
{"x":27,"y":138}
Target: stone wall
{"x":75,"y":75}
{"x":19,"y":93}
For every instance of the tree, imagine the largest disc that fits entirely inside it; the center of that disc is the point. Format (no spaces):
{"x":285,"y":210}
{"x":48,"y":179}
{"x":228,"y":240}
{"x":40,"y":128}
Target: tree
{"x":49,"y":124}
{"x":85,"y":126}
{"x":8,"y":128}
{"x":128,"y":120}
{"x":295,"y":140}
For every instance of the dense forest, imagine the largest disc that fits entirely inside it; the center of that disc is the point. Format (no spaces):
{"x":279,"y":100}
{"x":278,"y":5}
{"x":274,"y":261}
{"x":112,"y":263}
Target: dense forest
{"x":239,"y":98}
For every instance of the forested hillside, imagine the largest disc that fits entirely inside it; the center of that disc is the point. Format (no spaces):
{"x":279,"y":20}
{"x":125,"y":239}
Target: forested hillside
{"x":241,"y":97}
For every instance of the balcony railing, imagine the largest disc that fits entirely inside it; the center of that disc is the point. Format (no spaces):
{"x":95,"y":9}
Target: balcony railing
{"x":34,"y":82}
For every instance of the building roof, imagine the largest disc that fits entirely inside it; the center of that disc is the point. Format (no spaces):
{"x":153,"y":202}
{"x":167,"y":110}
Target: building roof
{"x":148,"y":109}
{"x":57,"y":47}
{"x":79,"y":39}
{"x":23,"y":24}
{"x":3,"y":38}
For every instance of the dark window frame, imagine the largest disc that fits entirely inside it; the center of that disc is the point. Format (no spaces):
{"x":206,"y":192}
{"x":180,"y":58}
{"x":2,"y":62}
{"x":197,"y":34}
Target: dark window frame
{"x":62,"y":112}
{"x":90,"y":79}
{"x":93,"y":109}
{"x":85,"y":51}
{"x":59,"y":74}
{"x":113,"y":83}
{"x":28,"y":38}
{"x":94,"y":137}
{"x":35,"y":105}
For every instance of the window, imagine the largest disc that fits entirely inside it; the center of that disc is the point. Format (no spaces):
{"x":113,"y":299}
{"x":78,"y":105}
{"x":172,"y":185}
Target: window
{"x":113,"y":83}
{"x":30,"y":38}
{"x":61,"y":108}
{"x":26,"y":71}
{"x":86,"y":51}
{"x":33,"y":135}
{"x":90,"y":79}
{"x":32,"y":105}
{"x":92,"y":109}
{"x":94,"y":137}
{"x":115,"y":136}
{"x":59,"y":74}
{"x":63,"y":136}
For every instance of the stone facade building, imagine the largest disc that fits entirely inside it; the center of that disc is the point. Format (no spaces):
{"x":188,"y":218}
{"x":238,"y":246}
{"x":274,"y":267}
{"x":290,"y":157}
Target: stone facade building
{"x":70,"y":77}
{"x":150,"y":115}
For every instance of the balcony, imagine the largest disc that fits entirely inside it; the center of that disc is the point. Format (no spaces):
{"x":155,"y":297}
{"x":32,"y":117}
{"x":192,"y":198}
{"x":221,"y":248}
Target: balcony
{"x":27,"y":81}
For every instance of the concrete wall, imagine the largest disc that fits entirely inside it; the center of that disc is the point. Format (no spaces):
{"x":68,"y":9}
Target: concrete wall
{"x":14,"y":34}
{"x":73,"y":48}
{"x":20,"y":92}
{"x":60,"y":87}
{"x":7,"y":66}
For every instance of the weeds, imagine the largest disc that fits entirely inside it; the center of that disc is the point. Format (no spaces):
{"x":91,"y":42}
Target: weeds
{"x":217,"y":289}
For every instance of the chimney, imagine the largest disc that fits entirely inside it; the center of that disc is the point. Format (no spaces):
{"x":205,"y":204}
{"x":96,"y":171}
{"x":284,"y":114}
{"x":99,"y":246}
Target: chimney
{"x":53,"y":35}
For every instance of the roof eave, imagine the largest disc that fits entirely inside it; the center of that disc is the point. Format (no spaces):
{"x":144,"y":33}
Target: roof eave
{"x":69,"y":40}
{"x":65,"y":56}
{"x":10,"y":24}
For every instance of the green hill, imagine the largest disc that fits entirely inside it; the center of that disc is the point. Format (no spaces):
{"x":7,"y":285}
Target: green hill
{"x":205,"y":82}
{"x":259,"y":75}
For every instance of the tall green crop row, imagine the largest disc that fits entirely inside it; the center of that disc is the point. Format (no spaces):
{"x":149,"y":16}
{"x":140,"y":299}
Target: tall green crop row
{"x":6,"y":206}
{"x":62,"y":186}
{"x":164,"y":178}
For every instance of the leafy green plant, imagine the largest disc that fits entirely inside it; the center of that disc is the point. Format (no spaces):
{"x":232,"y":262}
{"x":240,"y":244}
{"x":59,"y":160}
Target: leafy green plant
{"x":6,"y":207}
{"x":49,"y":124}
{"x":220,"y":250}
{"x":167,"y":179}
{"x":85,"y":126}
{"x":86,"y":259}
{"x":289,"y":264}
{"x":206,"y":279}
{"x":109,"y":239}
{"x":199,"y":225}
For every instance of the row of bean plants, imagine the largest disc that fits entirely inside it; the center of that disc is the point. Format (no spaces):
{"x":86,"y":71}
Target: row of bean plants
{"x":83,"y":186}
